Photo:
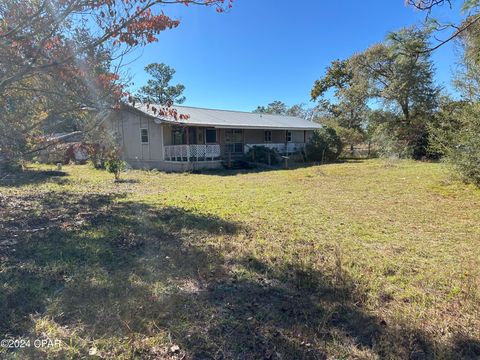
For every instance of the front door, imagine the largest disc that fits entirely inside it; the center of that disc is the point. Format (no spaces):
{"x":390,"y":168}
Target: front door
{"x":234,"y":140}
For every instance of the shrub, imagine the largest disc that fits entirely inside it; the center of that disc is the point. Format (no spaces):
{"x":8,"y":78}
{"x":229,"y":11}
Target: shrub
{"x":324,"y":146}
{"x":456,"y":136}
{"x":99,"y":155}
{"x":115,"y":166}
{"x":261,"y":154}
{"x":389,"y":144}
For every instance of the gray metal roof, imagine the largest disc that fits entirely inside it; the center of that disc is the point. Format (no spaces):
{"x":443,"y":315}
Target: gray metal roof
{"x":232,"y":119}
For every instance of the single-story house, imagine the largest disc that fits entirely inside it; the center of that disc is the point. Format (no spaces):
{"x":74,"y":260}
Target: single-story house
{"x":184,"y":138}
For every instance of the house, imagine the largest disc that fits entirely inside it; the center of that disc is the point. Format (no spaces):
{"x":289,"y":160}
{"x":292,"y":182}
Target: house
{"x":184,"y":138}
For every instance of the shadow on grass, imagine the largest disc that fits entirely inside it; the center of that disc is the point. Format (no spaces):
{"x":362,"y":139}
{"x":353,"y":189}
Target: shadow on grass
{"x":28,"y":177}
{"x":134,"y":280}
{"x":127,"y":181}
{"x":254,"y":170}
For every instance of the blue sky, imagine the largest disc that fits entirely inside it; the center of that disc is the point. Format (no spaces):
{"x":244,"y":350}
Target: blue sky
{"x":266,"y":50}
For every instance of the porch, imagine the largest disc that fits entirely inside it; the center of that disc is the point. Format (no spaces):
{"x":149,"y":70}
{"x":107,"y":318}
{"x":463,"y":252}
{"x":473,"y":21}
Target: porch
{"x":193,"y":152}
{"x":204,"y":144}
{"x":213,"y":152}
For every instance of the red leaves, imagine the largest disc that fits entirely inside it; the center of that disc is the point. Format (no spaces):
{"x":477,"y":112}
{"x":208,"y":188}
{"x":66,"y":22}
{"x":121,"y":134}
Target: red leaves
{"x":137,"y":25}
{"x":143,"y":28}
{"x":166,"y":112}
{"x":52,"y":43}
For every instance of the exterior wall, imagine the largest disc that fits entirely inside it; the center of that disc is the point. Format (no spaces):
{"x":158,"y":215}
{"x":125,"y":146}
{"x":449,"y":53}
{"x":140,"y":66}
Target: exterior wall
{"x":167,"y":135}
{"x":221,"y":137}
{"x":255,"y":136}
{"x":127,"y":125}
{"x":278,"y":136}
{"x":298,"y":136}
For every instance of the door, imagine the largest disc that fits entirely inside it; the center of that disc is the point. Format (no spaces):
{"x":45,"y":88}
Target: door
{"x":234,"y":140}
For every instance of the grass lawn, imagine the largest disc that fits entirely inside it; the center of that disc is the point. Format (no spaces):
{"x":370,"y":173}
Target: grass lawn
{"x":373,"y":259}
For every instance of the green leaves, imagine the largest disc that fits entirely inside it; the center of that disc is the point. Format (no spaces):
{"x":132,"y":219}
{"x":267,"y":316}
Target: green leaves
{"x":158,"y":89}
{"x":470,"y":5}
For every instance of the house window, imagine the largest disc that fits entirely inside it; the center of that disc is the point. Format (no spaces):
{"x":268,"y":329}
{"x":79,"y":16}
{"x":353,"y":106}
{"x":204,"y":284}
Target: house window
{"x":144,"y":136}
{"x":211,"y":136}
{"x":268,"y":136}
{"x":288,"y":136}
{"x":234,"y":140}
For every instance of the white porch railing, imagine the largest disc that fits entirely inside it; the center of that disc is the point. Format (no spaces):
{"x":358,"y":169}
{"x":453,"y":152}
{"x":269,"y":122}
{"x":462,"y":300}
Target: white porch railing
{"x":192,"y":152}
{"x":281,"y":148}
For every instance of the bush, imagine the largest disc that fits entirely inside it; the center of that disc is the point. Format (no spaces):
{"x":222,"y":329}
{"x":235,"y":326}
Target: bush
{"x":456,"y":136}
{"x":115,"y":166}
{"x":261,"y":154}
{"x":324,"y":146}
{"x":389,"y":144}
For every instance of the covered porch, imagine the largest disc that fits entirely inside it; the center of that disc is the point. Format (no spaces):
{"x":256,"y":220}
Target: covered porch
{"x":208,"y":144}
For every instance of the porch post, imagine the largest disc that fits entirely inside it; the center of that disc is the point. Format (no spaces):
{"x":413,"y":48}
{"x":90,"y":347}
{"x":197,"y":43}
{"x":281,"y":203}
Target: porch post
{"x":286,"y":142}
{"x":188,"y":145}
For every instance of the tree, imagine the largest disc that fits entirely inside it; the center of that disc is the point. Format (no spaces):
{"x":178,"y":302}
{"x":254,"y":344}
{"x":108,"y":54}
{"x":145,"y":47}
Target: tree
{"x":456,"y":135}
{"x":301,"y":111}
{"x":324,"y":146}
{"x":400,"y":74}
{"x":280,"y":108}
{"x":456,"y":130}
{"x":158,"y":91}
{"x":348,"y":114}
{"x":275,"y":108}
{"x":69,"y":50}
{"x":470,"y":7}
{"x":36,"y":36}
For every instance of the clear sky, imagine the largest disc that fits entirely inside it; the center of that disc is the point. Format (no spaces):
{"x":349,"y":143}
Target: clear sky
{"x":266,"y":50}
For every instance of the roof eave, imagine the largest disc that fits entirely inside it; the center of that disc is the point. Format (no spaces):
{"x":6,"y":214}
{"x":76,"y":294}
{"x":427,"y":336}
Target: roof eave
{"x":239,"y":126}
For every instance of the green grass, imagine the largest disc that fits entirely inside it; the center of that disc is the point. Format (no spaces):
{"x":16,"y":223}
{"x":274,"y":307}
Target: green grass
{"x":373,"y":259}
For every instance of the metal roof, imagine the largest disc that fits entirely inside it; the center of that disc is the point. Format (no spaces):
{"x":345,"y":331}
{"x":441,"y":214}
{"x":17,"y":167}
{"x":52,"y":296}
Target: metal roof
{"x":231,"y":119}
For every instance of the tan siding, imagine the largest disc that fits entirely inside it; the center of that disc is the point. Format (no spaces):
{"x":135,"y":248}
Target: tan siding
{"x":221,"y":136}
{"x":278,"y":136}
{"x":254,"y":136}
{"x":167,"y":135}
{"x":129,"y":125}
{"x":132,"y":148}
{"x":155,"y":141}
{"x":297,"y":136}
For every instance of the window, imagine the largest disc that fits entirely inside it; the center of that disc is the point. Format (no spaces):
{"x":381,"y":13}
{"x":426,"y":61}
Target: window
{"x":144,"y":135}
{"x":234,"y":140}
{"x":288,"y":136}
{"x":234,"y":136}
{"x":211,"y":135}
{"x":268,"y":136}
